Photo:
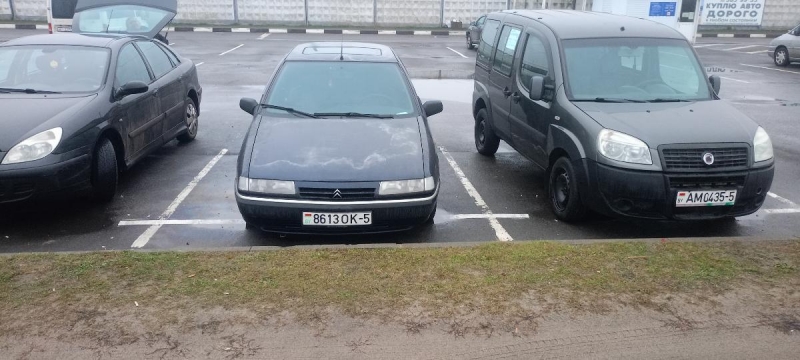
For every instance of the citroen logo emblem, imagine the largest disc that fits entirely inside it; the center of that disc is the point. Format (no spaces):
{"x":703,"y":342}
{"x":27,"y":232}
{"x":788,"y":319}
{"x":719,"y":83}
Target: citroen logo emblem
{"x":708,"y":158}
{"x":337,"y":194}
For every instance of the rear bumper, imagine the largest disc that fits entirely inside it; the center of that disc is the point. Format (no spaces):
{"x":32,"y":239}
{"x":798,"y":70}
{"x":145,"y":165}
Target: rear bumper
{"x":652,"y":195}
{"x":286,"y":215}
{"x":45,"y":182}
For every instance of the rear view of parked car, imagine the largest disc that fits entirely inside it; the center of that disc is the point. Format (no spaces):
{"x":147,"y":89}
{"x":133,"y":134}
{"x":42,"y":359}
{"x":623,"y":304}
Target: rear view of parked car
{"x":339,"y":143}
{"x":785,"y":49}
{"x":474,"y":32}
{"x":620,"y":114}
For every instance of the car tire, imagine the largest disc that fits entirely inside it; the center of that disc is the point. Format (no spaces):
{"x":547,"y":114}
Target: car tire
{"x":470,"y":45}
{"x":192,"y":118}
{"x":486,"y":140}
{"x":781,"y":56}
{"x":105,"y":172}
{"x":565,"y":197}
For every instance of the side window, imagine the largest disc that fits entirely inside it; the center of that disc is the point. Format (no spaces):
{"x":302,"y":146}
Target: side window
{"x":480,"y":21}
{"x":487,"y":41}
{"x":506,"y":48}
{"x":676,"y":70}
{"x":535,"y":61}
{"x":158,"y":60}
{"x":170,"y":54}
{"x":131,"y":67}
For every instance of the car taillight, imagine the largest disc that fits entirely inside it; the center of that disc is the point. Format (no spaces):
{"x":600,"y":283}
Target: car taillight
{"x":50,"y":27}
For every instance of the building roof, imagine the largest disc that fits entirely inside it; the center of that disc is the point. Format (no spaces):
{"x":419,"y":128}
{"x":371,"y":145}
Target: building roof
{"x":572,"y":24}
{"x":345,"y":51}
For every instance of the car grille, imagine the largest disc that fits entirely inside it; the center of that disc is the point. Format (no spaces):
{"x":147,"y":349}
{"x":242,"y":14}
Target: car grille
{"x":677,"y":159}
{"x":330,"y":194}
{"x":722,"y":182}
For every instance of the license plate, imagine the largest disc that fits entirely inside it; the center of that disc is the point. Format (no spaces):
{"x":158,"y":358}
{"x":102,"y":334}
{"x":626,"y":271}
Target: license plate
{"x":64,"y":28}
{"x":706,"y":198}
{"x":337,"y":219}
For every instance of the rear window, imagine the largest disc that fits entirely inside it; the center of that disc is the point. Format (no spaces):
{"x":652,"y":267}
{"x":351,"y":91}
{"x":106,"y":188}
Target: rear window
{"x":126,"y":19}
{"x":339,"y":50}
{"x":63,"y":9}
{"x":337,"y":87}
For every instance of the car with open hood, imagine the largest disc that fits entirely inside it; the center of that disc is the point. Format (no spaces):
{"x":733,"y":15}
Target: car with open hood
{"x":80,"y":107}
{"x":339,"y":143}
{"x":785,"y":49}
{"x":621,"y":116}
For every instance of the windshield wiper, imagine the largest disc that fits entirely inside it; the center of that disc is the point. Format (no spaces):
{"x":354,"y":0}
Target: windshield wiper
{"x":356,"y":115}
{"x":289,"y":110}
{"x":27,"y":91}
{"x":611,"y":100}
{"x":667,"y":100}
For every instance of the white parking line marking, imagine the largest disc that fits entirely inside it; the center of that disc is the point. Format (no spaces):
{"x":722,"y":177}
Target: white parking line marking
{"x":460,"y":54}
{"x":758,"y":52}
{"x":264,"y":36}
{"x":145,"y":237}
{"x":769,"y":68}
{"x":180,"y":222}
{"x":732,"y":79}
{"x":499,"y":230}
{"x":231,"y":50}
{"x":741,"y":47}
{"x":199,"y":64}
{"x":487,"y":216}
{"x":705,"y":45}
{"x":170,"y":44}
{"x":783,"y":200}
{"x":782,"y":211}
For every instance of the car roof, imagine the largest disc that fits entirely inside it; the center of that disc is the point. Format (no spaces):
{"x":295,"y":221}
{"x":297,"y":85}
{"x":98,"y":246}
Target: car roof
{"x":100,"y":40}
{"x":573,"y":24}
{"x":342,"y":51}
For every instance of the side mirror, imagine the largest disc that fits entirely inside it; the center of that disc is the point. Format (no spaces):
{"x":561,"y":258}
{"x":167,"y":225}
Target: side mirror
{"x":132,"y":88}
{"x":248,"y":105}
{"x":432,"y":108}
{"x":536,"y":88}
{"x":715,"y":83}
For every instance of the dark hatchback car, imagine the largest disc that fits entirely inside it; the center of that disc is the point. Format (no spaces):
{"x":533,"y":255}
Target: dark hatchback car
{"x":620,"y":114}
{"x":474,"y":32}
{"x":76,"y":109}
{"x":339,"y":143}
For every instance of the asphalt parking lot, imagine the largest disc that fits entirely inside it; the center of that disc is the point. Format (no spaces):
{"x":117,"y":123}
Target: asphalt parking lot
{"x":182,"y":197}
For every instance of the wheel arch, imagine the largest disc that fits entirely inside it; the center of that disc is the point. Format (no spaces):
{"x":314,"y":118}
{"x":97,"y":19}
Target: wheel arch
{"x":119,"y":146}
{"x":193,"y":95}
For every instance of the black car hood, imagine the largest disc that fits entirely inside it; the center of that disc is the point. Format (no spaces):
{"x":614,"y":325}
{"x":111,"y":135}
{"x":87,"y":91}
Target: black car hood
{"x":675,"y":123}
{"x":337,"y":150}
{"x":22,"y":115}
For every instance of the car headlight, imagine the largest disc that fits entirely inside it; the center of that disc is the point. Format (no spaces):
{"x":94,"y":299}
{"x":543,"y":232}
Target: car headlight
{"x":274,"y":187}
{"x":407,"y":186}
{"x":621,"y":147}
{"x":34,"y":148}
{"x":762,"y":146}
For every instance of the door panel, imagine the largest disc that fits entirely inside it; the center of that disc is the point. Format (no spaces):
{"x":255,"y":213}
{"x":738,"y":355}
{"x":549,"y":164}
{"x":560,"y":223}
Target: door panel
{"x":500,"y":87}
{"x":170,"y":87}
{"x":530,"y":119}
{"x":141,"y":113}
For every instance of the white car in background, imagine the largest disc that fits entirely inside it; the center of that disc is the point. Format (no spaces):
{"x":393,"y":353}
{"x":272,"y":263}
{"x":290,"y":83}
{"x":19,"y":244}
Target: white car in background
{"x":786,"y":48}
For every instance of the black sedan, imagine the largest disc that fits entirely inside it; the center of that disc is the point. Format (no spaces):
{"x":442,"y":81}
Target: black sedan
{"x":339,"y":143}
{"x":76,"y":109}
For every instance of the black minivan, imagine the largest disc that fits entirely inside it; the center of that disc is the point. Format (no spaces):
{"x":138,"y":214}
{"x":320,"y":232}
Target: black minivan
{"x":621,"y":115}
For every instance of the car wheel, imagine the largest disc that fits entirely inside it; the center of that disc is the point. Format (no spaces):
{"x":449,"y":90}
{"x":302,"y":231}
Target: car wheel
{"x":430,"y":218}
{"x":781,"y":56}
{"x":486,"y":141}
{"x":105,"y":173}
{"x":470,"y":46}
{"x":192,"y":118}
{"x":565,"y":198}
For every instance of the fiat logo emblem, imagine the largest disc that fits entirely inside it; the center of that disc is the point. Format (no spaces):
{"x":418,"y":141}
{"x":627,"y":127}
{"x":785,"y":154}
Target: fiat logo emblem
{"x":708,"y":158}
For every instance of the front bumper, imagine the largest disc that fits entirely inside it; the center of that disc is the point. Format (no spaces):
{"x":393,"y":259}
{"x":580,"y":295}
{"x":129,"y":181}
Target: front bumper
{"x":46,"y":181}
{"x":286,"y":215}
{"x":652,"y":195}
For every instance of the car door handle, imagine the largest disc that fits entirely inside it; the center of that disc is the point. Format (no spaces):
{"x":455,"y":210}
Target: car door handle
{"x":516,"y":98}
{"x":507,"y":92}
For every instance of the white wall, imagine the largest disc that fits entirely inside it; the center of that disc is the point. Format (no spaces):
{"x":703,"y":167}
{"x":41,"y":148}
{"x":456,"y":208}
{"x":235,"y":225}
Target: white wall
{"x":340,"y":12}
{"x":781,"y":14}
{"x":284,"y":12}
{"x":208,"y":11}
{"x":5,"y":10}
{"x":470,"y":10}
{"x":409,"y":13}
{"x":30,"y":9}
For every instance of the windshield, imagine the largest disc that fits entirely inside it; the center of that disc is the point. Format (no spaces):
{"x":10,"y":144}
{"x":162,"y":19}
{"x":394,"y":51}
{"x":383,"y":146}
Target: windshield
{"x":128,"y":19}
{"x":637,"y":69}
{"x":342,"y":87}
{"x":54,"y":68}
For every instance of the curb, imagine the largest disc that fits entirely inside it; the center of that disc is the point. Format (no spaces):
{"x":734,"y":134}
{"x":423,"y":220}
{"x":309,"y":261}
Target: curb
{"x":739,"y":35}
{"x":263,"y":30}
{"x":24,"y":26}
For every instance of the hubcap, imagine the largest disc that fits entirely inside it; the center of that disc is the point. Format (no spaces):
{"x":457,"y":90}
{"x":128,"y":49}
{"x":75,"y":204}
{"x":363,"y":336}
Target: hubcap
{"x":780,"y":56}
{"x":561,"y":187}
{"x":482,"y":132}
{"x":469,"y":40}
{"x":191,"y":119}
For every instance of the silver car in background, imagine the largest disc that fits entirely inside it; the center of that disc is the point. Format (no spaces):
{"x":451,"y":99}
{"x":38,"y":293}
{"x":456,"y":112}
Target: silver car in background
{"x":786,"y":48}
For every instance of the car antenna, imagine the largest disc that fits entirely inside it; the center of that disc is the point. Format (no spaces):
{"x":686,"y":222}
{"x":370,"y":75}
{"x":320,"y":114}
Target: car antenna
{"x":341,"y":48}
